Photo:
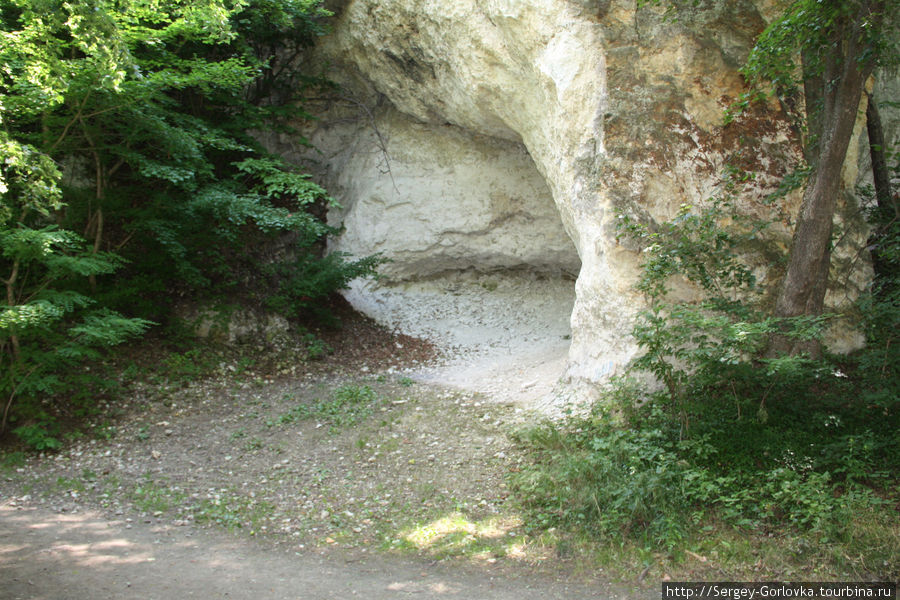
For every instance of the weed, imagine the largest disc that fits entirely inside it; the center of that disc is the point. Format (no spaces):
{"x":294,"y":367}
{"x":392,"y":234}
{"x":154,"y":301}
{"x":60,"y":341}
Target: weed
{"x":253,"y":444}
{"x":72,"y":436}
{"x":40,"y":436}
{"x":188,"y":365}
{"x":243,"y":366}
{"x":321,"y":475}
{"x":67,"y":484}
{"x":151,"y":496}
{"x":234,"y":511}
{"x":316,"y":349}
{"x":349,"y":405}
{"x":130,"y":373}
{"x":104,"y":431}
{"x":12,"y":460}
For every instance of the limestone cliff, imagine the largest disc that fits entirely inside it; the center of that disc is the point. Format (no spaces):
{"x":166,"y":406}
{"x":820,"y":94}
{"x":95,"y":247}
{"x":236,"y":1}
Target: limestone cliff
{"x":504,"y":134}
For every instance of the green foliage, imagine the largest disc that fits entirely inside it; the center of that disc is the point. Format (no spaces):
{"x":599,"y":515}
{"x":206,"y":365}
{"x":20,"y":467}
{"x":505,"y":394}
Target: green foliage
{"x":808,"y":27}
{"x":631,"y":471}
{"x":605,"y":479}
{"x":303,"y":282}
{"x":701,"y":342}
{"x":189,"y":365}
{"x":12,"y":460}
{"x":45,"y":328}
{"x":233,"y":511}
{"x":349,"y":405}
{"x":801,"y":43}
{"x":40,"y":436}
{"x":316,"y":348}
{"x":788,"y":444}
{"x":880,"y":306}
{"x":124,"y":130}
{"x":145,"y":105}
{"x":151,"y":496}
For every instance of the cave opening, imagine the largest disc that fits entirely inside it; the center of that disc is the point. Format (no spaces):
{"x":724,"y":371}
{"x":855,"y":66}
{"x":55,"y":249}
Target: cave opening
{"x":480,"y":262}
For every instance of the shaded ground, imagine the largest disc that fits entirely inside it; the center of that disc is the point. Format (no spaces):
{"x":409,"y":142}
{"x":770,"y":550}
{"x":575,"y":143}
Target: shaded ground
{"x":45,"y":555}
{"x":268,"y":478}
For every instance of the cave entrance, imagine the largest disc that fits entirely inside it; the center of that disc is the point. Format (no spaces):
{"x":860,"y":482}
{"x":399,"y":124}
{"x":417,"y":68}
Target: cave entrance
{"x":480,"y":261}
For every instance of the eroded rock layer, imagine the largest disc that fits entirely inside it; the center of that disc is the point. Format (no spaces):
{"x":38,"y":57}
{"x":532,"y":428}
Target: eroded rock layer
{"x":506,"y":134}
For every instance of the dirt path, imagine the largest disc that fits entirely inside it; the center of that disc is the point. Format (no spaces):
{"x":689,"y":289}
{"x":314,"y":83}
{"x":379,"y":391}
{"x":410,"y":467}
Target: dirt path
{"x":50,"y":556}
{"x":418,"y":511}
{"x":369,"y":477}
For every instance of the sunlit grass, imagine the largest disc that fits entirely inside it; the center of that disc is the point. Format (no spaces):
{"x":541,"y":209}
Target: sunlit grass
{"x":718,"y":551}
{"x":458,"y":535}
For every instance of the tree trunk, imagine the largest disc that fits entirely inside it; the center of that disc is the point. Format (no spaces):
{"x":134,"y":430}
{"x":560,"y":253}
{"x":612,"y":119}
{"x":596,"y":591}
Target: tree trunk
{"x":887,"y":204}
{"x":833,"y":99}
{"x":887,"y":207}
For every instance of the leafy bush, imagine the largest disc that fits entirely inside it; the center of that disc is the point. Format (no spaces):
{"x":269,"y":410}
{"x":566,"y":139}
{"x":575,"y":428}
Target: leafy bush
{"x":643,"y":478}
{"x":301,"y":284}
{"x":686,"y":343}
{"x":730,"y":436}
{"x":125,"y":129}
{"x":605,"y":479}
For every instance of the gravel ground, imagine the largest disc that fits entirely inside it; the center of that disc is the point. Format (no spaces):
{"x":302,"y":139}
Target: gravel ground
{"x":392,"y":445}
{"x":505,"y":335}
{"x":329,"y":460}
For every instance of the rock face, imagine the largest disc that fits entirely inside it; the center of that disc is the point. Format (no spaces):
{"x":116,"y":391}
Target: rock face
{"x":444,"y":200}
{"x":505,"y":134}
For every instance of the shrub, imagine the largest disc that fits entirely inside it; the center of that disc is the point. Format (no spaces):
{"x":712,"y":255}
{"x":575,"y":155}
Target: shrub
{"x":129,"y":123}
{"x":729,"y":435}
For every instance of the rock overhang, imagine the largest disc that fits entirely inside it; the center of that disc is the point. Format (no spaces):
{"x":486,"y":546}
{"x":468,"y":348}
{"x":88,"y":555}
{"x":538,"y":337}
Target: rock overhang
{"x":507,"y":134}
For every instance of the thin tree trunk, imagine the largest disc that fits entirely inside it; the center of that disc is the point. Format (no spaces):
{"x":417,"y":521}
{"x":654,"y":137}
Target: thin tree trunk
{"x":831,"y":125}
{"x":888,"y":207}
{"x":97,"y":217}
{"x":11,"y":302}
{"x":880,"y":174}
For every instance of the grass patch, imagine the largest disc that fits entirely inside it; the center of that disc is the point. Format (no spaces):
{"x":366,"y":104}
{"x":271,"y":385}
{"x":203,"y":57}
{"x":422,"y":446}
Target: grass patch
{"x":234,"y":511}
{"x":348,"y":406}
{"x":12,"y":460}
{"x":150,"y":496}
{"x":456,"y":535}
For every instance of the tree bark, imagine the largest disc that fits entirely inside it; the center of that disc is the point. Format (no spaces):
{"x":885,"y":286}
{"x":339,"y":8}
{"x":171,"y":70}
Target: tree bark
{"x":880,"y":173}
{"x":887,"y":205}
{"x":833,"y":101}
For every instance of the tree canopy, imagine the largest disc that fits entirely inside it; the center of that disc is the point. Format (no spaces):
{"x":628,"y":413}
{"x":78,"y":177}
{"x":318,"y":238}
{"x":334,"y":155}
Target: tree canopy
{"x":125,"y":129}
